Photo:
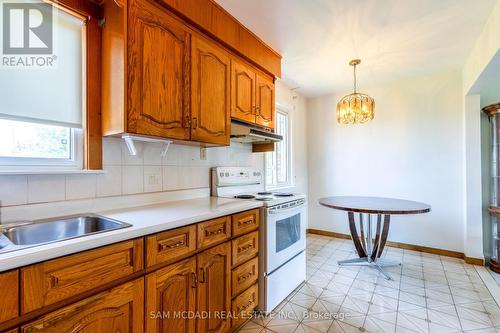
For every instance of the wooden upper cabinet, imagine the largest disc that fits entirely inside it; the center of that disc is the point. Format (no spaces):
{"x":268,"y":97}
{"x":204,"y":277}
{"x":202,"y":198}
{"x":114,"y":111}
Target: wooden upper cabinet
{"x":158,"y":75}
{"x":168,"y":291}
{"x":264,"y":101}
{"x":210,"y":92}
{"x":214,"y":288}
{"x":252,"y":95}
{"x":243,"y":92}
{"x":119,"y":310}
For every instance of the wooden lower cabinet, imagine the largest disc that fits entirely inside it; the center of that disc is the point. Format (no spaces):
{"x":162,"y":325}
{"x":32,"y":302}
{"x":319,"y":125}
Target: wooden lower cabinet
{"x":118,"y":310}
{"x":214,"y":289}
{"x":171,"y":298}
{"x":9,"y":298}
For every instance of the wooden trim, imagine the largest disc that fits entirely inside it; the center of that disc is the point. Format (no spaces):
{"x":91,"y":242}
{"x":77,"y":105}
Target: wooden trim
{"x":405,"y":246}
{"x":214,"y":21}
{"x":495,"y":266}
{"x":262,"y":147}
{"x":92,"y":141}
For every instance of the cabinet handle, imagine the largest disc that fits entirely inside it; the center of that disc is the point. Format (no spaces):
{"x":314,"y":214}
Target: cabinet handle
{"x":187,"y":122}
{"x":244,"y":277}
{"x":195,"y":123}
{"x":245,"y":222}
{"x":244,"y":248}
{"x":54,"y":281}
{"x":244,"y":307}
{"x":174,"y":245}
{"x":216,"y":232}
{"x":195,"y":280}
{"x":203,"y":277}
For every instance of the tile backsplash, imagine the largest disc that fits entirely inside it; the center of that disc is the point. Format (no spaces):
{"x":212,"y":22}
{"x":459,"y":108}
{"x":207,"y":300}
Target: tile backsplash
{"x":181,"y":169}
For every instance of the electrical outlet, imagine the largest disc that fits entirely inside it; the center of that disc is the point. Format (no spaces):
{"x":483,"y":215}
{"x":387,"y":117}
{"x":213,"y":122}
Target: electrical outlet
{"x":154,"y":180}
{"x":203,"y":153}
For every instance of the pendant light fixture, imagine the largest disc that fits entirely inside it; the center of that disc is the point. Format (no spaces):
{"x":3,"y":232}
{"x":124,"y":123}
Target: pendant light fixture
{"x":355,"y":108}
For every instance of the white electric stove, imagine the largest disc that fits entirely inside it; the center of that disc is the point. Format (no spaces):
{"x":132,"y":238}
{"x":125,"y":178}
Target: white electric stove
{"x":282,"y":262}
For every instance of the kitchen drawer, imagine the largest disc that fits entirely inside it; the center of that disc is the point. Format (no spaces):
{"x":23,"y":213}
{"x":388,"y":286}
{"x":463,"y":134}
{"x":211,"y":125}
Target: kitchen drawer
{"x":245,"y":247}
{"x":170,"y":245}
{"x":244,"y":276}
{"x":58,"y":279}
{"x":9,"y":299}
{"x":244,"y":305}
{"x":245,"y":222}
{"x":214,"y":231}
{"x":120,"y":309}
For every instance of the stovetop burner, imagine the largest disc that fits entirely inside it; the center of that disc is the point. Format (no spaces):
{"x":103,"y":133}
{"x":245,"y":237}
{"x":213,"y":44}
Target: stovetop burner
{"x":264,"y":199}
{"x":264,"y":193}
{"x":283,"y":194}
{"x":245,"y":196}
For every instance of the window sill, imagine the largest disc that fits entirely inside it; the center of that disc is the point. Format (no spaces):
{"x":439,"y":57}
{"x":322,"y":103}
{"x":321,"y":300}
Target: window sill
{"x":48,"y":172}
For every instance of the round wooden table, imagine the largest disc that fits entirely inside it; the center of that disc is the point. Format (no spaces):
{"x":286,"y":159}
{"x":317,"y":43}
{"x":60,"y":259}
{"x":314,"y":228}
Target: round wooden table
{"x":370,"y":248}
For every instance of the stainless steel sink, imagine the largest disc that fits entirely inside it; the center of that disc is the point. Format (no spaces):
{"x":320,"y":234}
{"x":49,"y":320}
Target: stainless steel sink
{"x":23,"y":235}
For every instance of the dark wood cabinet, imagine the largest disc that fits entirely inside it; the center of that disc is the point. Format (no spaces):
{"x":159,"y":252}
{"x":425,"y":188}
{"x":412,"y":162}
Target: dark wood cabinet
{"x":171,"y":298}
{"x":9,"y":300}
{"x":210,"y":92}
{"x":119,"y":310}
{"x":214,"y":290}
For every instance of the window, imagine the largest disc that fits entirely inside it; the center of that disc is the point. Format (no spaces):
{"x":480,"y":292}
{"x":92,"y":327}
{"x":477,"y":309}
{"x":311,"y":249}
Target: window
{"x":277,"y":163}
{"x":42,"y":92}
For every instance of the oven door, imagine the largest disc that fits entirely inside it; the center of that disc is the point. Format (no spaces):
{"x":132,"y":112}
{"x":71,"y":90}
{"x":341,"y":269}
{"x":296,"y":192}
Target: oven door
{"x":285,"y":231}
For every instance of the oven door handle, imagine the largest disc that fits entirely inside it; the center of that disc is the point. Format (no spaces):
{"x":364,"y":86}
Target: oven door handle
{"x":281,"y":211}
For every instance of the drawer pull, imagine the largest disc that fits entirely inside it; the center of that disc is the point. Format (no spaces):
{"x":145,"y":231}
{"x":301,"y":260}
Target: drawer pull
{"x":246,"y":222}
{"x":246,"y":306}
{"x":244,"y":277}
{"x":171,"y":246}
{"x":195,"y":280}
{"x":216,"y":232}
{"x":244,"y":248}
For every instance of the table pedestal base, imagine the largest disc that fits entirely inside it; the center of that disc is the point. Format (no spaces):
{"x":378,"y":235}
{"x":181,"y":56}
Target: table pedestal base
{"x":370,"y":248}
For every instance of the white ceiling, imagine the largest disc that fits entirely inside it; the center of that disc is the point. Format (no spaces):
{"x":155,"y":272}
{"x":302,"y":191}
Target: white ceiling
{"x":394,"y":38}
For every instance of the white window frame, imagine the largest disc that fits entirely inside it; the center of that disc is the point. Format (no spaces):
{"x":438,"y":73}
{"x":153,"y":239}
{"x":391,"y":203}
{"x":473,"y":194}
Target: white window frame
{"x":290,"y":179}
{"x":75,"y":162}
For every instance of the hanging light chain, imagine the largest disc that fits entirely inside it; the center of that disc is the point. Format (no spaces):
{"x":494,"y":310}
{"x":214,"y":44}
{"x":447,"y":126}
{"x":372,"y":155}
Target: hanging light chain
{"x":355,"y":85}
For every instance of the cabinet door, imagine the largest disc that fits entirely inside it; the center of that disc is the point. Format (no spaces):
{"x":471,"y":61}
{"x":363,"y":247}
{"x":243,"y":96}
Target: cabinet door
{"x":243,"y":92}
{"x":265,"y":101}
{"x":9,"y":286}
{"x":172,"y":290}
{"x":211,"y":93}
{"x":118,"y":310}
{"x":158,"y":73}
{"x":214,"y":289}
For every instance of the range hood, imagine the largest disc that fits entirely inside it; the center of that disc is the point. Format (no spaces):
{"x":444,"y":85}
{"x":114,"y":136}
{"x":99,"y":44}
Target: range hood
{"x":247,"y":133}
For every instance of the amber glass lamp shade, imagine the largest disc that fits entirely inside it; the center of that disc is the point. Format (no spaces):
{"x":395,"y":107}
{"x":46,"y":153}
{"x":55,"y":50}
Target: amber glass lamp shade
{"x":355,"y":108}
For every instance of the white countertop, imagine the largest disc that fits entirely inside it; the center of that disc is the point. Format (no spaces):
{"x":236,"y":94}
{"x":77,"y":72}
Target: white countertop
{"x":144,"y":220}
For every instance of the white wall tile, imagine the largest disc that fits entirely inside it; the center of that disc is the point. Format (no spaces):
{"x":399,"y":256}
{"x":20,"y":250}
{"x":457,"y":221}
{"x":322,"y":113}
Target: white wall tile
{"x":128,"y":159}
{"x":152,"y":153}
{"x":80,"y":186}
{"x":171,"y":177}
{"x":132,"y":179}
{"x":46,"y":188}
{"x":13,"y":190}
{"x":110,"y":183}
{"x":153,"y":178}
{"x":172,"y":157}
{"x":112,"y":151}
